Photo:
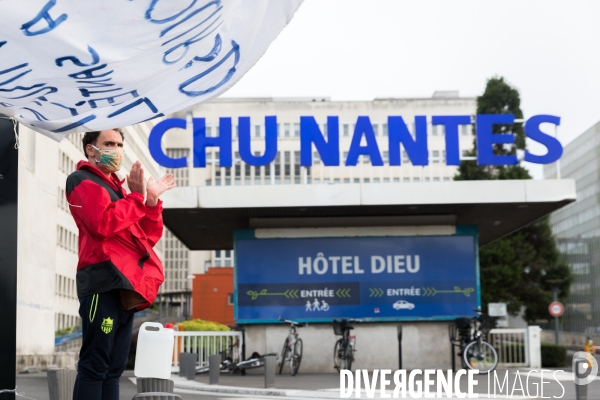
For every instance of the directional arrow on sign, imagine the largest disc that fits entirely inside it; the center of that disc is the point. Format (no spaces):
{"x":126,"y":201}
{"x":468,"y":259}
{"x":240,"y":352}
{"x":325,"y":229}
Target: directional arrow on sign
{"x":342,"y":293}
{"x":376,"y":292}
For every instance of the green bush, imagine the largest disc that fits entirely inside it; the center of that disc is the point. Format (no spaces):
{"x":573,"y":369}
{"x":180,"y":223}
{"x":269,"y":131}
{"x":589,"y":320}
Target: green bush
{"x":553,"y":356}
{"x":201,"y":325}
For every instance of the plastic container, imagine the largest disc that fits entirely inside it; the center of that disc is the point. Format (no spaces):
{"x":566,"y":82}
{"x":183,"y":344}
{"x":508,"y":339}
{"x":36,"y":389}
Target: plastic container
{"x":154,"y":353}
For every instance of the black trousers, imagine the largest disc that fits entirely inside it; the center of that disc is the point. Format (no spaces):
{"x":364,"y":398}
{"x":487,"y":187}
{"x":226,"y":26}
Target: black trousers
{"x":106,"y":340}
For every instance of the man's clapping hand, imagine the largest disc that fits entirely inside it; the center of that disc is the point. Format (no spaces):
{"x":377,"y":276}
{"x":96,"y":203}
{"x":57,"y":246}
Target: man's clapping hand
{"x":135,"y":179}
{"x":156,"y":188}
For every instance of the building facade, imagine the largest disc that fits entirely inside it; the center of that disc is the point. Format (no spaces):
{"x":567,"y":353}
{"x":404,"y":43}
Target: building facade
{"x":577,"y":229}
{"x":286,"y":169}
{"x":48,"y":237}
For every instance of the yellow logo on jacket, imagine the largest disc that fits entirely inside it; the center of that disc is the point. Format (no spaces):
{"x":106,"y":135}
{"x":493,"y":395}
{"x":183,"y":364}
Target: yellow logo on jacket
{"x":107,"y":325}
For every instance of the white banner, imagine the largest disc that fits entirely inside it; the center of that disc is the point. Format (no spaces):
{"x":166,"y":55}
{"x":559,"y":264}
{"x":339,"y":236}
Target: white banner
{"x":85,"y":65}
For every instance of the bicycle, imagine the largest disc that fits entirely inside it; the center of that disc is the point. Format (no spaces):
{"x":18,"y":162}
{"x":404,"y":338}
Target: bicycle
{"x":343,"y":352}
{"x":292,"y":346}
{"x":475,"y":352}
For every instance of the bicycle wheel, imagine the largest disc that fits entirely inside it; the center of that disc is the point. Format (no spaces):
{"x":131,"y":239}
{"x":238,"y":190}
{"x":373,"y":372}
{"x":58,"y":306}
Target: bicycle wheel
{"x":349,"y":358}
{"x":480,"y":355}
{"x":284,"y":352}
{"x":296,"y":358}
{"x":339,"y":352}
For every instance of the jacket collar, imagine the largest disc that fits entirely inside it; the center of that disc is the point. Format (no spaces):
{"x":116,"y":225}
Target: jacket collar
{"x":115,"y":181}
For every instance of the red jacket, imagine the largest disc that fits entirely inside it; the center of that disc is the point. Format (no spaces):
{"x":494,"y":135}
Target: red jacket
{"x":116,"y":234}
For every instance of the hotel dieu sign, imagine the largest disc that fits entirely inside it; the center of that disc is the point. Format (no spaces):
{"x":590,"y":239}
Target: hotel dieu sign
{"x":328,"y":147}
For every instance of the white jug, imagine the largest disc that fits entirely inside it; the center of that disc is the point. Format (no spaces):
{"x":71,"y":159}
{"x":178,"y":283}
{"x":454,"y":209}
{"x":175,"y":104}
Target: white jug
{"x":154,"y":353}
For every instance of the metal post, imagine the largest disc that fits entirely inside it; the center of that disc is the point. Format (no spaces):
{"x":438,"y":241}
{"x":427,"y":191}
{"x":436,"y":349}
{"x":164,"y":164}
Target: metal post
{"x":399,"y":346}
{"x":581,"y":370}
{"x":555,"y":298}
{"x":9,"y":178}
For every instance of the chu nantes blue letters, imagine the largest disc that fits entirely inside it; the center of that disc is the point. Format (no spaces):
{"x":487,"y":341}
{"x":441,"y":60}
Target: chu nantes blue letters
{"x":327,"y":143}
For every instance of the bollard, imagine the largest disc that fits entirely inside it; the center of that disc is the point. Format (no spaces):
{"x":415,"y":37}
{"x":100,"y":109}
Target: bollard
{"x":182,"y":365}
{"x":61,"y":383}
{"x":581,"y":370}
{"x":399,"y":346}
{"x":214,"y":367}
{"x":190,"y":366}
{"x":270,"y":364}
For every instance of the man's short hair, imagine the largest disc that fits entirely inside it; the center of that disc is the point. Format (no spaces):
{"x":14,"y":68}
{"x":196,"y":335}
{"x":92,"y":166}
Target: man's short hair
{"x":92,"y":137}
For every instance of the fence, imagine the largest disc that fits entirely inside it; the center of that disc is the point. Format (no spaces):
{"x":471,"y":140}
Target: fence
{"x":205,"y":344}
{"x":517,"y":347}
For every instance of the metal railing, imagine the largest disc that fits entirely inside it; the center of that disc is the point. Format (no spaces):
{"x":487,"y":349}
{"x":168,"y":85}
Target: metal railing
{"x":205,"y":344}
{"x":512,"y":346}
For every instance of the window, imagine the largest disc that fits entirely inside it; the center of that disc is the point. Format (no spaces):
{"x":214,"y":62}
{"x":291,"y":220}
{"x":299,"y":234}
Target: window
{"x":229,"y":299}
{"x":436,"y":179}
{"x":296,"y":130}
{"x":405,"y":179}
{"x":435,"y":156}
{"x":376,"y":129}
{"x":316,"y":158}
{"x":463,"y":130}
{"x":176,"y":263}
{"x":385,"y":129}
{"x":286,"y":130}
{"x":181,"y":174}
{"x":346,"y":130}
{"x":356,"y":180}
{"x":257,"y":130}
{"x":434,"y":129}
{"x":446,"y":179}
{"x":346,"y":180}
{"x":405,"y":159}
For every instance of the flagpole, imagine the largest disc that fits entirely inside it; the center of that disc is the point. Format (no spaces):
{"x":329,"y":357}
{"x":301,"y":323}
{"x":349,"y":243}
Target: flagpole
{"x":8,"y":257}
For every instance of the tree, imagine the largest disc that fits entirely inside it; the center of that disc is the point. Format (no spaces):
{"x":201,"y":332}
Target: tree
{"x":515,"y":269}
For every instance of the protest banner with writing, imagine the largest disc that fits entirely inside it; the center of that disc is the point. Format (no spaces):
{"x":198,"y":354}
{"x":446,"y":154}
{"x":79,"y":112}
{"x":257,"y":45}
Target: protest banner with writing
{"x":73,"y":66}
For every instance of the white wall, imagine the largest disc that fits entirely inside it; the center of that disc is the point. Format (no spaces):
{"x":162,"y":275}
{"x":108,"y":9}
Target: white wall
{"x":424,"y":345}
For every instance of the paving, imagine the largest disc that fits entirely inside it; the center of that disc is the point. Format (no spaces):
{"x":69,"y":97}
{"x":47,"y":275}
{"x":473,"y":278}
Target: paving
{"x":327,"y":386}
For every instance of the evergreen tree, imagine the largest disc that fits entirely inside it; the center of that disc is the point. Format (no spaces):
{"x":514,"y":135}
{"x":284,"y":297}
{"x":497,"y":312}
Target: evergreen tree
{"x":515,"y":269}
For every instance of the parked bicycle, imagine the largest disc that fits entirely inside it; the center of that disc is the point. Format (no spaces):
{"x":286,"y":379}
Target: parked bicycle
{"x":343,"y":352}
{"x":475,"y":352}
{"x":292,"y":348}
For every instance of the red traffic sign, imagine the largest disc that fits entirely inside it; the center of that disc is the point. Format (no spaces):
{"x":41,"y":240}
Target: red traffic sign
{"x":556,"y":309}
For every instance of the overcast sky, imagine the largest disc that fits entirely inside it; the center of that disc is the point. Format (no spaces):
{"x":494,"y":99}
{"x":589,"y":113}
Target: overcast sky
{"x":363,"y":49}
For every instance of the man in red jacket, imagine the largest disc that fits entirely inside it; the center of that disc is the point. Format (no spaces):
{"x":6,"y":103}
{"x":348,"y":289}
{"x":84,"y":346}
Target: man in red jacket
{"x":118,"y":271}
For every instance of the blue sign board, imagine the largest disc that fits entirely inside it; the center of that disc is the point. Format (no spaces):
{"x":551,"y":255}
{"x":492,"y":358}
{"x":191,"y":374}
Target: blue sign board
{"x":375,"y":278}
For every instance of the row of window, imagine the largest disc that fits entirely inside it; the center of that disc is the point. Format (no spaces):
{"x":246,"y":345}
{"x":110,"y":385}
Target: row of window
{"x":576,"y":220}
{"x":66,"y":164}
{"x":66,"y":239}
{"x":62,"y":321}
{"x":65,"y":287}
{"x":176,"y":263}
{"x":577,"y":150}
{"x":313,"y":180}
{"x":293,"y":129}
{"x":62,"y":200}
{"x":77,"y":140}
